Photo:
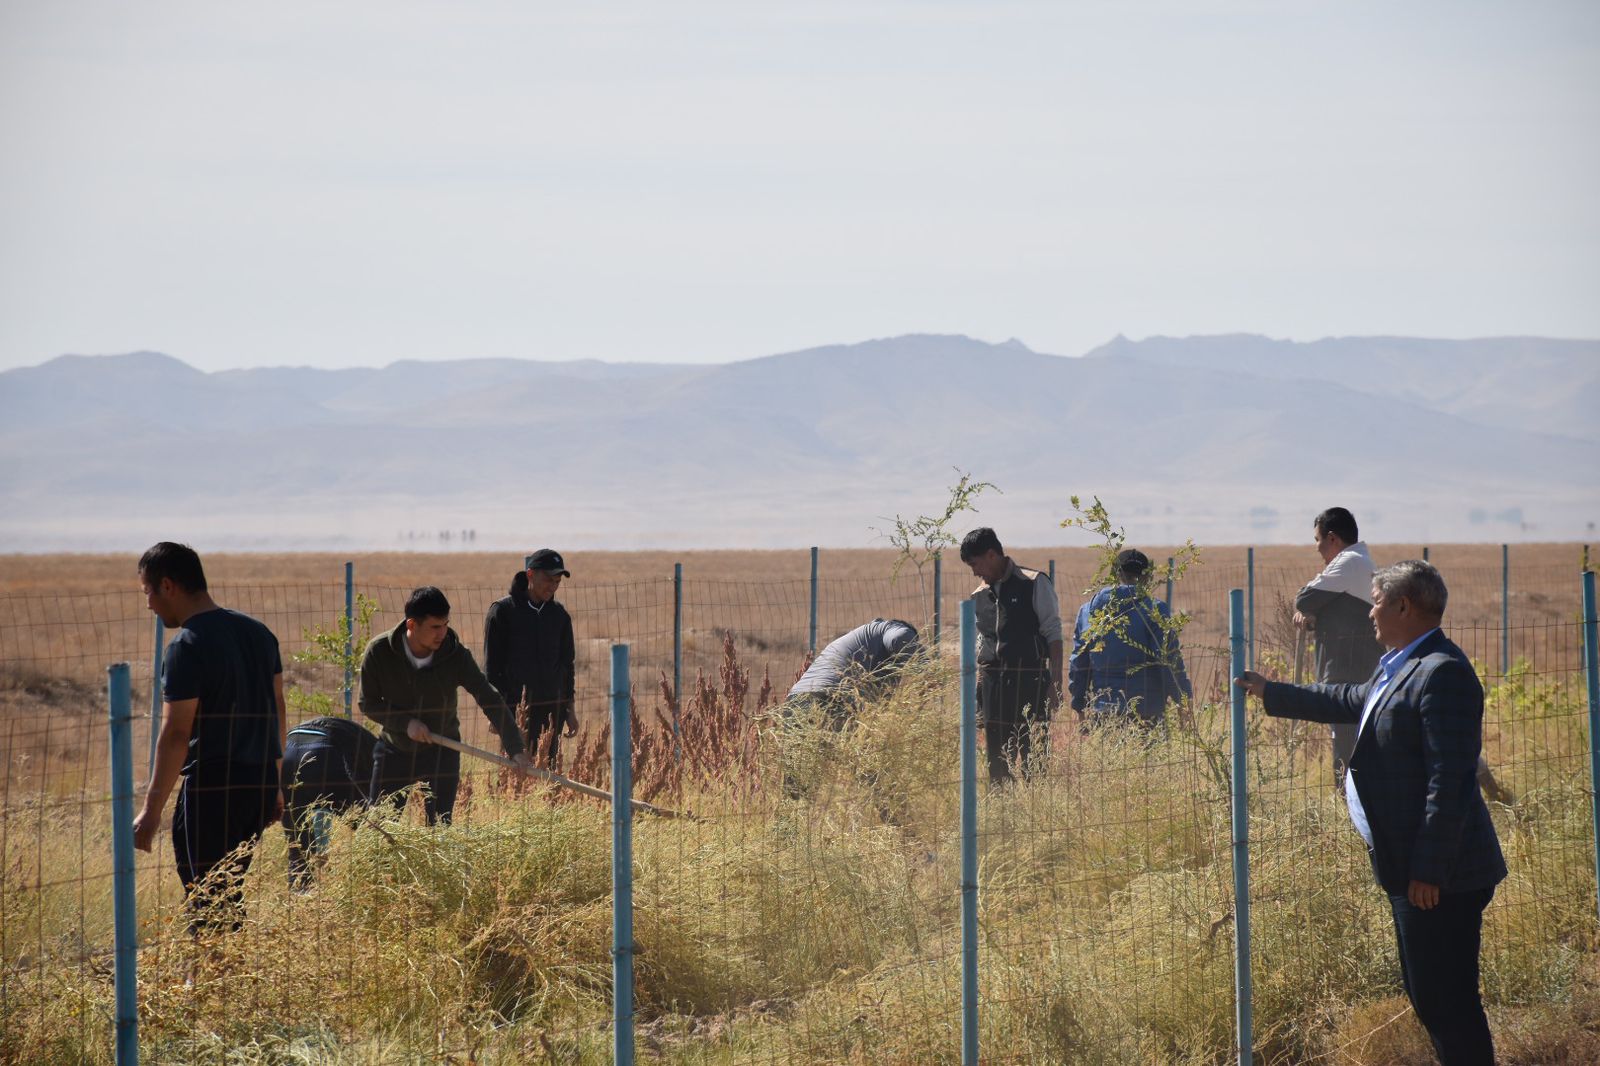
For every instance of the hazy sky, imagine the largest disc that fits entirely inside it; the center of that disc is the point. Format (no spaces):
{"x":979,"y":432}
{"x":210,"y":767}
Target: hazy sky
{"x":353,"y":183}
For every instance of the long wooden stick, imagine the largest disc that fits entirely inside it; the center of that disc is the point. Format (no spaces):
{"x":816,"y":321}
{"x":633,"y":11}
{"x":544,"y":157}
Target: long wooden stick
{"x":547,"y":775}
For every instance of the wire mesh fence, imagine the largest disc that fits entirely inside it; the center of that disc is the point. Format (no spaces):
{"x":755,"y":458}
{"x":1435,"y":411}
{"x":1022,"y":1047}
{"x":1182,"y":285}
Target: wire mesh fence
{"x":808,"y":910}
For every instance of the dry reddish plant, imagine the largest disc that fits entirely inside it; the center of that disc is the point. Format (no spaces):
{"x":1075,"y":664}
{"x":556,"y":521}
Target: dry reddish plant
{"x":714,"y":736}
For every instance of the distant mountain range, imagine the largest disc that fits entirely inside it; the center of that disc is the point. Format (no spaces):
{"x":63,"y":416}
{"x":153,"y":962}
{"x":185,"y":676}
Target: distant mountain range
{"x":1229,"y":438}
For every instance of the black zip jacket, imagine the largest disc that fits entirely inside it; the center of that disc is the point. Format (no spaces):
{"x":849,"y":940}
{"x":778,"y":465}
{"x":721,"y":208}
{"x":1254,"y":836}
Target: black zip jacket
{"x":530,"y":652}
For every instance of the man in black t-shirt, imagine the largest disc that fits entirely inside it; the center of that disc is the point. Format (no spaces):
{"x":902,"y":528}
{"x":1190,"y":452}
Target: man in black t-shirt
{"x":222,"y":731}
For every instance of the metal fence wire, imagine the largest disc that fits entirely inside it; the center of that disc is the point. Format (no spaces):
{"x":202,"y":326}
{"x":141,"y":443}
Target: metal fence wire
{"x":812,"y":893}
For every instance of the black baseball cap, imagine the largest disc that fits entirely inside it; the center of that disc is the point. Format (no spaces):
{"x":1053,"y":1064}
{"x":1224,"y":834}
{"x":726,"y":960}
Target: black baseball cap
{"x":1132,"y":561}
{"x":546,"y":559}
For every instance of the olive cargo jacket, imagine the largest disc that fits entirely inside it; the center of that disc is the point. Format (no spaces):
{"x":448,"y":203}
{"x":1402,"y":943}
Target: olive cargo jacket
{"x":393,"y":691}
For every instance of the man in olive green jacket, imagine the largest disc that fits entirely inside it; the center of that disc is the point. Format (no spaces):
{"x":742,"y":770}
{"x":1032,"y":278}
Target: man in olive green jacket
{"x":409,"y":678}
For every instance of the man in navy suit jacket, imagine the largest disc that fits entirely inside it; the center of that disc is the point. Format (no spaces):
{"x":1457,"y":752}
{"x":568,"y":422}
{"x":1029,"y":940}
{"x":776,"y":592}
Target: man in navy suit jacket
{"x":1413,"y":794}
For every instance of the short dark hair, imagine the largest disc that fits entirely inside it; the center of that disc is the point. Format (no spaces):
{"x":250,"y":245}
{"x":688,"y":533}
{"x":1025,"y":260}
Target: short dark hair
{"x":178,"y":563}
{"x":978,"y":542}
{"x":427,"y":602}
{"x":1339,"y":522}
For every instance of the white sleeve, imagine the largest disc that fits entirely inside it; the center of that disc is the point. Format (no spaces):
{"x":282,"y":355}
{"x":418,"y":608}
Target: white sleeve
{"x":984,"y":650}
{"x":1048,"y":610}
{"x":1349,"y":572}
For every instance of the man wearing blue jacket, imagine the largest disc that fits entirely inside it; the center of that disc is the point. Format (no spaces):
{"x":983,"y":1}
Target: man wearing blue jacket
{"x":1413,"y":794}
{"x":1126,"y":662}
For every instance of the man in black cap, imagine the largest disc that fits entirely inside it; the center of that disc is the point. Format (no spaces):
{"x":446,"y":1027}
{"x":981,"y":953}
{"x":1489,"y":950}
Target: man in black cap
{"x":1126,"y":663}
{"x":529,"y":652}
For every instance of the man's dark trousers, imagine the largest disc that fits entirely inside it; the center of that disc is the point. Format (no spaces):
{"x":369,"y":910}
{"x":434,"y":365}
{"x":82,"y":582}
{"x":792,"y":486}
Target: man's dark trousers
{"x":1014,"y":705}
{"x":318,"y":780}
{"x":220,"y":807}
{"x":437,"y":767}
{"x":1439,"y":965}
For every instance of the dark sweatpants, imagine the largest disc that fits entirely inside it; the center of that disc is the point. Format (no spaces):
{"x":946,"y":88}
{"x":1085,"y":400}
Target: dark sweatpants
{"x":319,"y":780}
{"x":220,"y":807}
{"x":1014,"y":706}
{"x":437,"y":767}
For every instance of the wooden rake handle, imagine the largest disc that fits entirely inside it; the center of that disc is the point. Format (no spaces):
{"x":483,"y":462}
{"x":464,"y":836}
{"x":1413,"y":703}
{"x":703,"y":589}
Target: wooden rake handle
{"x":547,"y":775}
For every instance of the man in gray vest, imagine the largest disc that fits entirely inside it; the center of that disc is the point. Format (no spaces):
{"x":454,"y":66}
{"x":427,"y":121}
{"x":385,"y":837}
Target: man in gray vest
{"x":1019,"y":654}
{"x":1334,"y":606}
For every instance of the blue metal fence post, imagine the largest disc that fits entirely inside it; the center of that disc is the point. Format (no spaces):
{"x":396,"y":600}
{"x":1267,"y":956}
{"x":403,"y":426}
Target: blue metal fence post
{"x":621,"y":860}
{"x":119,"y":689}
{"x":938,"y":597}
{"x":1171,"y":566}
{"x":1505,"y":609}
{"x":677,"y":631}
{"x":155,"y":695}
{"x":1250,"y":580}
{"x":1052,"y":573}
{"x":1424,"y":553}
{"x":969,"y":834}
{"x":677,"y":657}
{"x":1591,"y":669}
{"x":811,"y":640}
{"x":1241,"y":838}
{"x":349,"y":630}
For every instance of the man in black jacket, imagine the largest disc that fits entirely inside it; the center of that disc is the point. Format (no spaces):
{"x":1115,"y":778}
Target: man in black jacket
{"x":409,"y":678}
{"x":529,"y":653}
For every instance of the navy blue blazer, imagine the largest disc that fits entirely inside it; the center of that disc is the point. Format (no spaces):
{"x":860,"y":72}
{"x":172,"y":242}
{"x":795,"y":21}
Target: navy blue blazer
{"x":1415,"y":767}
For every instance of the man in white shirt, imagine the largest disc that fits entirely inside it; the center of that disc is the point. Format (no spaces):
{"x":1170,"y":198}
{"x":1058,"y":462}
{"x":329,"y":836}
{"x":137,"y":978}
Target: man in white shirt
{"x":1333,"y":607}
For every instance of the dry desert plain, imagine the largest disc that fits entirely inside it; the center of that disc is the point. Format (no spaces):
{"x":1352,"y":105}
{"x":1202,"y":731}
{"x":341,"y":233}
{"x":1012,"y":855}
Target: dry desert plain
{"x":66,"y":617}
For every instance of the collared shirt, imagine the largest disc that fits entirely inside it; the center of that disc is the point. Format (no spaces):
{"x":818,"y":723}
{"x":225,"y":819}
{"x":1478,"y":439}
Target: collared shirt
{"x":1388,"y":666}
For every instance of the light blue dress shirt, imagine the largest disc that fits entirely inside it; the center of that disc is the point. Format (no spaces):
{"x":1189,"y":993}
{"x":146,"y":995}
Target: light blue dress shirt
{"x":1388,"y":666}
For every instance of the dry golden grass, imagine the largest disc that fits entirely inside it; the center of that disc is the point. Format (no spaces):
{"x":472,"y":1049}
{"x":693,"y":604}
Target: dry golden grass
{"x":775,"y":932}
{"x":824,"y":928}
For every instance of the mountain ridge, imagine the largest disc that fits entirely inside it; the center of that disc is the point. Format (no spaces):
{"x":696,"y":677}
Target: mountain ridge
{"x":855,"y":431}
